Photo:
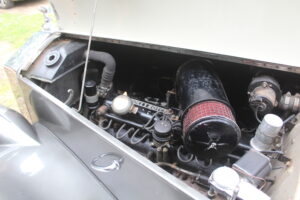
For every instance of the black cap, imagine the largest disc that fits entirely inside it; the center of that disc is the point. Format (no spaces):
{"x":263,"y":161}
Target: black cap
{"x":162,"y":130}
{"x":90,"y":88}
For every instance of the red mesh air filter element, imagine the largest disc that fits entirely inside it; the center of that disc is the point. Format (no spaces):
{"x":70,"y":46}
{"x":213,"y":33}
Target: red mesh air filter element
{"x":206,"y":109}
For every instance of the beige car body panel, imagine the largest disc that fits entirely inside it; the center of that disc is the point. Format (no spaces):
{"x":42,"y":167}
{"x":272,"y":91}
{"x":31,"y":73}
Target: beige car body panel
{"x":260,"y":30}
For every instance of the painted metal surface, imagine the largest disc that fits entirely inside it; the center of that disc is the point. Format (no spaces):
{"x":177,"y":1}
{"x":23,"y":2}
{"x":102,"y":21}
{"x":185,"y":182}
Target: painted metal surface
{"x":16,"y":130}
{"x":260,"y":30}
{"x":38,"y":166}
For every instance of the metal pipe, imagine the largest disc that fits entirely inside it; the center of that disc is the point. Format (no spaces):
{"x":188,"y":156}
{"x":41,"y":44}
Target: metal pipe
{"x":289,"y":118}
{"x":70,"y":97}
{"x":116,"y":118}
{"x":233,"y":156}
{"x":244,"y":146}
{"x":87,"y":53}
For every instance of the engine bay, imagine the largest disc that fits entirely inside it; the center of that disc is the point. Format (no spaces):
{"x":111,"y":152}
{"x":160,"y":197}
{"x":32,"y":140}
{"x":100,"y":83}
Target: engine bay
{"x":218,"y":126}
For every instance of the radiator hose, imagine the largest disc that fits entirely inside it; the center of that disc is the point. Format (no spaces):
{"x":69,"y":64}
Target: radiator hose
{"x":108,"y":70}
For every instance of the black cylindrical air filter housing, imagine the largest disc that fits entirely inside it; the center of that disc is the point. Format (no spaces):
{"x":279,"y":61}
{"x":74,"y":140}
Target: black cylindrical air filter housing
{"x":209,"y":125}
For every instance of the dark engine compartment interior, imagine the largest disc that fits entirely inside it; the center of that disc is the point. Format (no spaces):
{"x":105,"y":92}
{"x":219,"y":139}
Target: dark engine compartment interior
{"x":144,"y":109}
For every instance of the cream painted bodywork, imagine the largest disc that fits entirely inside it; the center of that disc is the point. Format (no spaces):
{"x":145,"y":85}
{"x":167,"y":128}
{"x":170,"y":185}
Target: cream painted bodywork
{"x":288,"y":179}
{"x":261,"y":30}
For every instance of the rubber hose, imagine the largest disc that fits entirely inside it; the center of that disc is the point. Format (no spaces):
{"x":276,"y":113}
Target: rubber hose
{"x":109,"y":68}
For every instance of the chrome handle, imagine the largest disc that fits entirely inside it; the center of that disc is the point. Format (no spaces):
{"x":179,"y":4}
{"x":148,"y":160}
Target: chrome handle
{"x":113,"y":162}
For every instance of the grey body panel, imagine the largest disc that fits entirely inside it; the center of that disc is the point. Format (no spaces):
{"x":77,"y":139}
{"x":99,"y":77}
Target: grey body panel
{"x":45,"y":170}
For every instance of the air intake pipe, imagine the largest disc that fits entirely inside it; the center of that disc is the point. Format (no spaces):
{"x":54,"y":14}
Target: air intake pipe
{"x":209,"y":125}
{"x":108,"y":70}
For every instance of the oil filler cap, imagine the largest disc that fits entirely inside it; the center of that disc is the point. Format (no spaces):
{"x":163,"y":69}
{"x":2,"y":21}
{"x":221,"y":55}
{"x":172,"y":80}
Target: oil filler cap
{"x":52,"y":58}
{"x":122,"y":105}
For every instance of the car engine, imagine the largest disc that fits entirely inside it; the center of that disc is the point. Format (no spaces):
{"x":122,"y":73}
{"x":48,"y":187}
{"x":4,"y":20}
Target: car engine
{"x":215,"y":125}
